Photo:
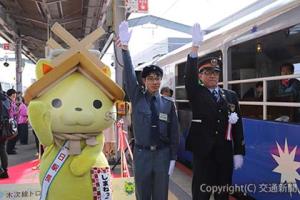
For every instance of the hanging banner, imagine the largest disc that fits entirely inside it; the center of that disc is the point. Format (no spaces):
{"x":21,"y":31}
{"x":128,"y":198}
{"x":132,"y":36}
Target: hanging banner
{"x":136,"y":6}
{"x":6,"y":46}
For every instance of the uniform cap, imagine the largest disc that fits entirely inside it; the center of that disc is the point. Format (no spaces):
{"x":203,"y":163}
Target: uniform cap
{"x":210,"y":63}
{"x":152,"y":69}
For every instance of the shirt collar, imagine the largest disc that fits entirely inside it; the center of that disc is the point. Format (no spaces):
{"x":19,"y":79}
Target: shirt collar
{"x":148,"y":95}
{"x":216,"y":88}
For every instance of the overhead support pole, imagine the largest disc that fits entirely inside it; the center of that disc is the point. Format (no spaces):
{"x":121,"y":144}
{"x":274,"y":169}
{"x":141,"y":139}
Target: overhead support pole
{"x":19,"y":64}
{"x":118,"y":17}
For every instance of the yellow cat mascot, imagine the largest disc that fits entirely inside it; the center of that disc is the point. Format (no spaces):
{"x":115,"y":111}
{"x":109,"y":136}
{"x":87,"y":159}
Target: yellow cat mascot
{"x":70,"y":105}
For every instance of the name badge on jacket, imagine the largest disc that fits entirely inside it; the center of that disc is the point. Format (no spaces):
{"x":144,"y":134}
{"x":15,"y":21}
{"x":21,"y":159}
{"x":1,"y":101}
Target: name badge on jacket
{"x":163,"y":117}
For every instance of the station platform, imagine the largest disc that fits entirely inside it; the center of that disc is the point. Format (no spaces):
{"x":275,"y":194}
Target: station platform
{"x":23,"y":174}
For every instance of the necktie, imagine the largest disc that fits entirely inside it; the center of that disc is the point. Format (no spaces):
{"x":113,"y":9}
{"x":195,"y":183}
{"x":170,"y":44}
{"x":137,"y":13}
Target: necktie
{"x":216,"y":95}
{"x":154,"y":119}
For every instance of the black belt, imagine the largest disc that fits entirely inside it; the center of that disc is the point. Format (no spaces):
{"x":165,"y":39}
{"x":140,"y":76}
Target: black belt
{"x":150,"y":148}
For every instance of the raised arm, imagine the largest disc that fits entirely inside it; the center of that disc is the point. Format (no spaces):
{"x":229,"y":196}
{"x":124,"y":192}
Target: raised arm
{"x":131,"y":83}
{"x":40,"y":120}
{"x":191,"y":70}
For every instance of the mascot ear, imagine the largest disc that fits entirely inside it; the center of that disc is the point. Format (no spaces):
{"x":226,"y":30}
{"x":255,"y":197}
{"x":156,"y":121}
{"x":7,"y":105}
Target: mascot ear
{"x":43,"y":66}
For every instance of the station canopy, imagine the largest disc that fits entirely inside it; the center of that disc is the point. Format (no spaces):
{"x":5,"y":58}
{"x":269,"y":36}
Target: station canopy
{"x":31,"y":20}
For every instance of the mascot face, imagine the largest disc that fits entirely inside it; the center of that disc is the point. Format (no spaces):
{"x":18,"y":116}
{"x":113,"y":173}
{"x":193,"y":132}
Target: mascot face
{"x":77,"y":105}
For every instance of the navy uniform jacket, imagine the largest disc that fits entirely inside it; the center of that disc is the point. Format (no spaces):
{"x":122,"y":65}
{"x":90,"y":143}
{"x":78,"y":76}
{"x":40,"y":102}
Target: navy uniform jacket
{"x":141,"y":113}
{"x":210,"y":119}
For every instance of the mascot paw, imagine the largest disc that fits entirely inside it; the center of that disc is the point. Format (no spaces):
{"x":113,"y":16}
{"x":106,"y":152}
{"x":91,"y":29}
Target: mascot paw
{"x":40,"y":119}
{"x":39,"y":110}
{"x":77,"y":169}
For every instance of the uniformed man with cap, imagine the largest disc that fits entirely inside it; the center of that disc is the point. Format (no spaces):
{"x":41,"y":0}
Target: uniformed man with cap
{"x":155,"y":127}
{"x":216,"y":133}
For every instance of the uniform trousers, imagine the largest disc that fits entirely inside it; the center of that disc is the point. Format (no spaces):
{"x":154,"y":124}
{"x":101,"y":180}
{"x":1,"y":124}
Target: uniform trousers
{"x":11,"y":144}
{"x":23,"y":133}
{"x":151,"y":173}
{"x":214,"y":169}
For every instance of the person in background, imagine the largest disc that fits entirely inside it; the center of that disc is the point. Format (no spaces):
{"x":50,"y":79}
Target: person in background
{"x":216,"y":133}
{"x":255,"y":94}
{"x":38,"y":145}
{"x":19,"y":95}
{"x":109,"y":143}
{"x":171,"y":92}
{"x":13,"y":113}
{"x":155,"y":125}
{"x":166,"y":91}
{"x":290,"y":87}
{"x":4,"y":105}
{"x":22,"y":120}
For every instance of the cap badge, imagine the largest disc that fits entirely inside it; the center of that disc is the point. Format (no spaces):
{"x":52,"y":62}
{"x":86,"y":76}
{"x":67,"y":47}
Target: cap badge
{"x":214,"y":62}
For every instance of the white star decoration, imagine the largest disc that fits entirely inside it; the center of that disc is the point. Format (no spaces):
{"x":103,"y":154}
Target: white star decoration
{"x":287,"y":166}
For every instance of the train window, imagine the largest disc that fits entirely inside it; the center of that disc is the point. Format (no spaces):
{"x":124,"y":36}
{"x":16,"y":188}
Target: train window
{"x":284,"y":114}
{"x":181,"y":94}
{"x":253,"y":91}
{"x":180,"y":74}
{"x":252,"y":111}
{"x":262,"y":57}
{"x":183,"y":107}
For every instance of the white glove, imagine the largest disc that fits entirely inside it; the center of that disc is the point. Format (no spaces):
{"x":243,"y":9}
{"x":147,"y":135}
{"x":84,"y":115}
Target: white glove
{"x":197,"y":35}
{"x":124,"y":33}
{"x":171,"y":168}
{"x":238,"y":161}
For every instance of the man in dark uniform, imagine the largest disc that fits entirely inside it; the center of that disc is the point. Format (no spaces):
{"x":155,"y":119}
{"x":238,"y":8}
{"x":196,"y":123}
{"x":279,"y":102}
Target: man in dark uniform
{"x":155,"y":127}
{"x":4,"y":106}
{"x":216,"y":133}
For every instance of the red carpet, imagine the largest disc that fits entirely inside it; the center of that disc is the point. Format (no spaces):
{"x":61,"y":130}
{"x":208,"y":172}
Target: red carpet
{"x":22,"y":174}
{"x":184,"y":169}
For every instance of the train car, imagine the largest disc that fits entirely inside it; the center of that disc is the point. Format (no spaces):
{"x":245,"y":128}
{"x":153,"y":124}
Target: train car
{"x":252,"y":49}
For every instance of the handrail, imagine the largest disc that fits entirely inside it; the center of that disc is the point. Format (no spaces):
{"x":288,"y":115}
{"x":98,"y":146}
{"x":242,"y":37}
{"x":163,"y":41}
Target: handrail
{"x":261,"y":103}
{"x":269,"y":78}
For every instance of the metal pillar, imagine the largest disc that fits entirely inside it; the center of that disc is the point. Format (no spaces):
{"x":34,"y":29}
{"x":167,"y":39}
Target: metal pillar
{"x":19,"y":65}
{"x":118,"y":17}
